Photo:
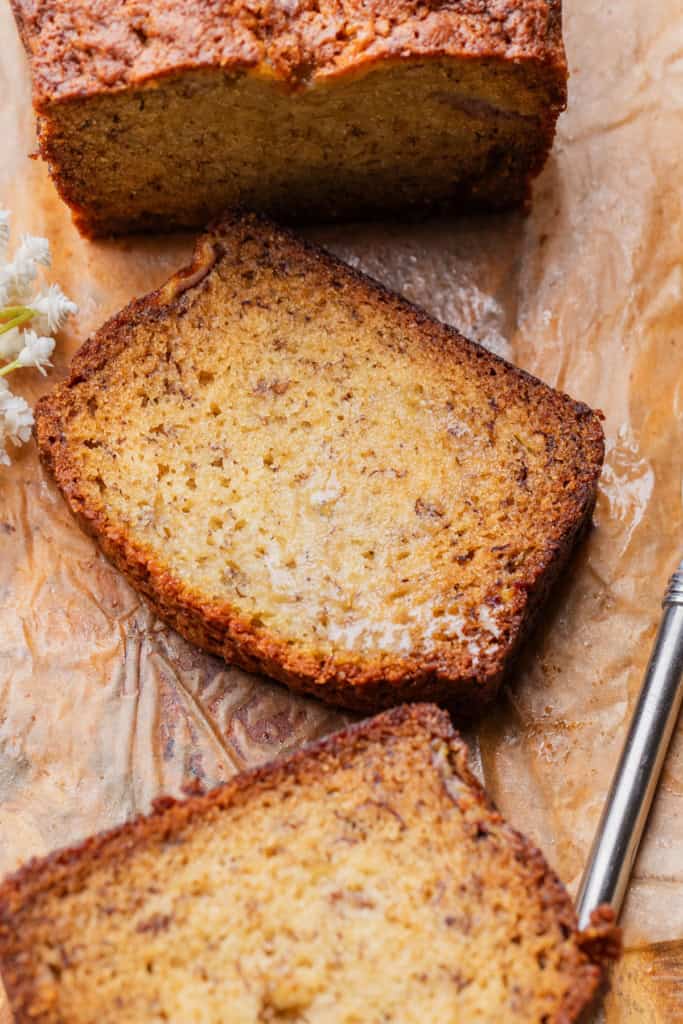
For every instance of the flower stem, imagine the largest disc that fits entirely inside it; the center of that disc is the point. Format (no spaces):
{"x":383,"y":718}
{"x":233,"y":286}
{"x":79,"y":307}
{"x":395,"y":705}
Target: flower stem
{"x":14,"y":365}
{"x":7,"y":312}
{"x":17,"y":319}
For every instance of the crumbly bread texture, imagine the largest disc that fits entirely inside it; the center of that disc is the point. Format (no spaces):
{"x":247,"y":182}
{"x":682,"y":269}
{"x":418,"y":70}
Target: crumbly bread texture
{"x":168,"y":112}
{"x":365,"y":880}
{"x":312,"y":478}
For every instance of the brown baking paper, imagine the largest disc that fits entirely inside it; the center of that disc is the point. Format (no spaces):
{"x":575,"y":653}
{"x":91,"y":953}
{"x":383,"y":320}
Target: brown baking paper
{"x":102,"y":707}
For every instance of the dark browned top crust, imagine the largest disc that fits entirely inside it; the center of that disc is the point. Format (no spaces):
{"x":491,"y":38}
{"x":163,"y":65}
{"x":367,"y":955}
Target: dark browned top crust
{"x":304,"y":111}
{"x":573,"y":442}
{"x":25,"y":897}
{"x":83,"y":47}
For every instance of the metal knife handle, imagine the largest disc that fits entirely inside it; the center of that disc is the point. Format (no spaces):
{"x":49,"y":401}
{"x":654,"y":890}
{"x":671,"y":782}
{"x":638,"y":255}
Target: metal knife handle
{"x":628,"y":803}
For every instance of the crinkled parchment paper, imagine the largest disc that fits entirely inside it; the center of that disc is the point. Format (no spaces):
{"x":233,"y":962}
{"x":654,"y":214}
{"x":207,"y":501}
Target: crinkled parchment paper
{"x":102,"y":707}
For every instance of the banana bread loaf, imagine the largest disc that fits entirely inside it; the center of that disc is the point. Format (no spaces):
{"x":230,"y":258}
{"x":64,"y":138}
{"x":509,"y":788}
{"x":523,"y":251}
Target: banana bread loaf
{"x":164,"y":113}
{"x":308,"y":476}
{"x":364,"y":881}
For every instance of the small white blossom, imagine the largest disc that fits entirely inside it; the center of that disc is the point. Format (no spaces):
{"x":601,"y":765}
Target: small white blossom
{"x":36,"y":351}
{"x":17,"y":277}
{"x":16,"y":420}
{"x":16,"y":282}
{"x":34,"y":250}
{"x":4,"y":229}
{"x":11,"y":344}
{"x":52,"y":307}
{"x":27,"y":343}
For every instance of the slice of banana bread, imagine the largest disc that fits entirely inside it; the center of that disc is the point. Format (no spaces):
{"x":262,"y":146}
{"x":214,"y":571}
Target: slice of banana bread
{"x":365,"y":880}
{"x":310,"y":477}
{"x":165,"y":113}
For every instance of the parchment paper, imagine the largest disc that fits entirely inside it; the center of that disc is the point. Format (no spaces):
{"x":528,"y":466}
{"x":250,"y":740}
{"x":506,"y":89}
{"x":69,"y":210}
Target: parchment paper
{"x":102,"y":707}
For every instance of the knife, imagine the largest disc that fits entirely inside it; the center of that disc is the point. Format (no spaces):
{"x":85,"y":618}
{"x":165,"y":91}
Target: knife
{"x":610,"y":862}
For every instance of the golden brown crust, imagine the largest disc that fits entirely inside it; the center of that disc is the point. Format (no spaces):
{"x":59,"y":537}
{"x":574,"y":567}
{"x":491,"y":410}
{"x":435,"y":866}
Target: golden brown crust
{"x":81,"y":51}
{"x":66,"y":871}
{"x":218,"y":627}
{"x":80,"y":48}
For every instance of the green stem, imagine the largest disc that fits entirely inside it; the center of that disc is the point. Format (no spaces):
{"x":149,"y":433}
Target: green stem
{"x":7,"y":312}
{"x":18,"y":320}
{"x":4,"y":370}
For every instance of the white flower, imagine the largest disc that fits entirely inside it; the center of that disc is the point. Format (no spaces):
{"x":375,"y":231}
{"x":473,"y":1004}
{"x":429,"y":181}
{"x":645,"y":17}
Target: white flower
{"x":4,"y":229}
{"x":52,"y":307}
{"x":11,"y":344}
{"x":16,"y":281}
{"x":16,"y":420}
{"x":24,"y":345}
{"x":17,"y":415}
{"x":17,"y":277}
{"x":36,"y":351}
{"x":34,"y":250}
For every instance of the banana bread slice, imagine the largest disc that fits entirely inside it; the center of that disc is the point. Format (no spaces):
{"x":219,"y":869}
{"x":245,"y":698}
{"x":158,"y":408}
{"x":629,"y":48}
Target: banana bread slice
{"x":163,"y":114}
{"x":312,"y":478}
{"x":367,"y":879}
